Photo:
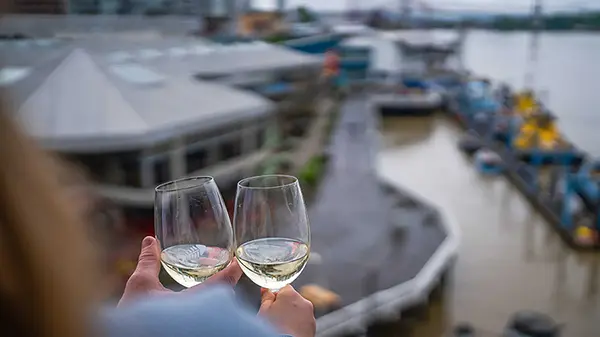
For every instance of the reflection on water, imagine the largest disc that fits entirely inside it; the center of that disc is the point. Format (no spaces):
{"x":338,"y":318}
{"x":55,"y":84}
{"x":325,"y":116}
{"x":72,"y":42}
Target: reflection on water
{"x":509,"y":259}
{"x":417,"y":129}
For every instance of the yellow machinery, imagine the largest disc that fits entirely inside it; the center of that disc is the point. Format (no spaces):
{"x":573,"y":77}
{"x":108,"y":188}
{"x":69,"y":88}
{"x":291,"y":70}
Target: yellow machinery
{"x":538,"y":131}
{"x":526,"y":103}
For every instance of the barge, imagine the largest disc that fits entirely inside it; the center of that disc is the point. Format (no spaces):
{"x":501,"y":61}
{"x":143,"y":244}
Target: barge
{"x":529,"y":144}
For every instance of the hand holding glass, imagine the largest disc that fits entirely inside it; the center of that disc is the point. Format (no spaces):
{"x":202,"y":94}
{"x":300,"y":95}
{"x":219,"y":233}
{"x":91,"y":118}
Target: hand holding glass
{"x":272,"y":231}
{"x":193,"y":229}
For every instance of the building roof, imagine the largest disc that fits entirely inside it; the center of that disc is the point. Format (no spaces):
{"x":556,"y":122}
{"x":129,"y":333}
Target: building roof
{"x":211,"y":58}
{"x":85,"y":96}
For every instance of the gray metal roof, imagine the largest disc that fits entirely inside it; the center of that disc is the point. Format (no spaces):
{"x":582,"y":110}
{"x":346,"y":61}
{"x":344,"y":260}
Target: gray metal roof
{"x":186,"y":55}
{"x":39,"y":59}
{"x":203,"y":57}
{"x":113,"y":33}
{"x":75,"y":99}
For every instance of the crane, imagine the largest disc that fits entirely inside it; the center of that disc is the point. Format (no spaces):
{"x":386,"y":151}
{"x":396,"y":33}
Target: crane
{"x":534,"y":45}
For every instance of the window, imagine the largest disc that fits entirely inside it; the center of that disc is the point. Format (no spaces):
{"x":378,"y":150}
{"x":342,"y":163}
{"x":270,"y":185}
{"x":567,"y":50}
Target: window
{"x":94,"y":166}
{"x":161,"y":170}
{"x":196,"y":160}
{"x":160,"y":149}
{"x":260,"y":138}
{"x":230,"y":148}
{"x":299,"y":127}
{"x":132,"y":168}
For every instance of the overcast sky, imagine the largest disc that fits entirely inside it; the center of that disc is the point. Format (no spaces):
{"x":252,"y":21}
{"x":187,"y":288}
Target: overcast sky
{"x":482,"y":5}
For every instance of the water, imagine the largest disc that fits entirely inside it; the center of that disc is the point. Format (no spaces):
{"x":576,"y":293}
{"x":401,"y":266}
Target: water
{"x":509,"y":258}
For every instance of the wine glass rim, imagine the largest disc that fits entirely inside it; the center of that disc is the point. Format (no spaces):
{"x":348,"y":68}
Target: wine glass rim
{"x":166,"y":187}
{"x":293,"y":181}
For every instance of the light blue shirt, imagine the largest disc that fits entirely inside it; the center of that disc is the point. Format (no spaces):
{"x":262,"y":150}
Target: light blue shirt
{"x":212,"y":312}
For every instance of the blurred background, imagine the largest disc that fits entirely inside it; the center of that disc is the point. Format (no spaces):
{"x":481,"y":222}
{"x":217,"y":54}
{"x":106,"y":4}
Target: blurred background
{"x":133,"y":93}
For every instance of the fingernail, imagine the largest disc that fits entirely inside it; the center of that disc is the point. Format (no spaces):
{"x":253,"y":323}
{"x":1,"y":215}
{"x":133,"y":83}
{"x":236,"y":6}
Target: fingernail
{"x":148,"y":240}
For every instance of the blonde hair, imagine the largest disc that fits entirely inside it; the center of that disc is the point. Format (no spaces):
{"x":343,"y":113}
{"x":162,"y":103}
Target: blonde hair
{"x":47,"y":272}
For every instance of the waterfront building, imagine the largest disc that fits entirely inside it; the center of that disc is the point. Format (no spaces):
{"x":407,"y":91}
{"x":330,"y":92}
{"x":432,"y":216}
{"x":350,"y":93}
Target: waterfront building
{"x":136,"y":115}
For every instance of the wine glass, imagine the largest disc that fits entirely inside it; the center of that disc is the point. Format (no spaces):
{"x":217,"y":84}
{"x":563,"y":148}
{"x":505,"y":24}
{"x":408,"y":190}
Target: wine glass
{"x":272,"y":231}
{"x":193,"y":228}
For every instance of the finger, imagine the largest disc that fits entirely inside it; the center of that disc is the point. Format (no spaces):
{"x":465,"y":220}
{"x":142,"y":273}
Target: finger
{"x":230,"y":275}
{"x":267,"y":298}
{"x":149,"y":261}
{"x":287,"y":291}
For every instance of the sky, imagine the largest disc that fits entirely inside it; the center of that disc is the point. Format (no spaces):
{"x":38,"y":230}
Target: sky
{"x":501,"y":6}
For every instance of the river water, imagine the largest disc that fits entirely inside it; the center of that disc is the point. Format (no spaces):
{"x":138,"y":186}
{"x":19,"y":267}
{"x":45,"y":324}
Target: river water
{"x":509,"y":258}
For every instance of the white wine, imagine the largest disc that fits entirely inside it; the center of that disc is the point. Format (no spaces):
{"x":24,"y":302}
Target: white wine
{"x":190,"y":265}
{"x":272,"y":262}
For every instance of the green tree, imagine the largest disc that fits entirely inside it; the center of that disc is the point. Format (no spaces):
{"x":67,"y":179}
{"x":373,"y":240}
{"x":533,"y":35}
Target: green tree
{"x":304,"y":15}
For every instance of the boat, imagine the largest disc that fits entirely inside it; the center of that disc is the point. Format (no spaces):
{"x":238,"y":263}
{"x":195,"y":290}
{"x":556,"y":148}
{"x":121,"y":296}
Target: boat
{"x":416,"y":99}
{"x":488,"y":162}
{"x":470,"y":143}
{"x":419,"y":77}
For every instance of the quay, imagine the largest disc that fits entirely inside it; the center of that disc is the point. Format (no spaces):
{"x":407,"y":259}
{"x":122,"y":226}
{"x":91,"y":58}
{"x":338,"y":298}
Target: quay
{"x":396,"y":246}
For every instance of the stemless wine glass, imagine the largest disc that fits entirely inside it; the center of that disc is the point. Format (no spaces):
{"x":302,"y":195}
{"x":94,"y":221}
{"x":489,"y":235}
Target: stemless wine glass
{"x":193,"y":228}
{"x":272,"y":231}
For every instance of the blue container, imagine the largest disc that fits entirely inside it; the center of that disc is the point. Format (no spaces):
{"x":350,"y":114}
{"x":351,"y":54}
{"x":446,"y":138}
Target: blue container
{"x":317,"y":44}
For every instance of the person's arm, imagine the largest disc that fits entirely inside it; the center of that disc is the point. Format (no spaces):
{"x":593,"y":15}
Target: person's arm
{"x":207,"y":313}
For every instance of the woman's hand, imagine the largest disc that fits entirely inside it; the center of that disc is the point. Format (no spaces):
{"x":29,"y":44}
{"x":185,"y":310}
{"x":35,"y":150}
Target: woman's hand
{"x":144,"y":280}
{"x":288,"y":311}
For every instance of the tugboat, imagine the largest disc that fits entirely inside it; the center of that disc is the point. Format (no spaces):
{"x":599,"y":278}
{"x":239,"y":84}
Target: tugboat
{"x":488,"y":162}
{"x":470,"y":143}
{"x":521,"y":324}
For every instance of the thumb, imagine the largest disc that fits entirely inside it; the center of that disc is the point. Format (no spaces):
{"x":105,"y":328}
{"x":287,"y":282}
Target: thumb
{"x":266,"y":300}
{"x":149,"y":261}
